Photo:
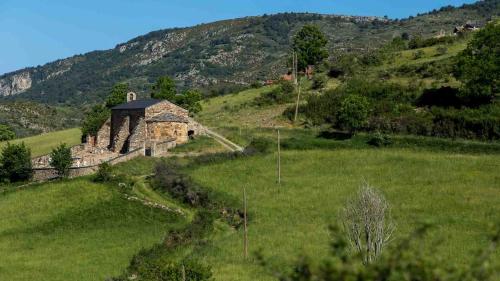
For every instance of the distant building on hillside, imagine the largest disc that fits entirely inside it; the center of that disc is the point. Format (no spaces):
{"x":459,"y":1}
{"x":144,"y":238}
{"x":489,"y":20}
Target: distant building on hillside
{"x":465,"y":28}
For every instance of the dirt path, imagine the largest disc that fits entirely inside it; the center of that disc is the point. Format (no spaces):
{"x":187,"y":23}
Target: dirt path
{"x":223,"y":141}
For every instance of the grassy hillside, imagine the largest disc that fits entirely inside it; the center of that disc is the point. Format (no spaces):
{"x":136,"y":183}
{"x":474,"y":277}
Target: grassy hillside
{"x":74,"y":230}
{"x":459,"y":193}
{"x":30,"y":118}
{"x":44,"y":143}
{"x":236,"y":110}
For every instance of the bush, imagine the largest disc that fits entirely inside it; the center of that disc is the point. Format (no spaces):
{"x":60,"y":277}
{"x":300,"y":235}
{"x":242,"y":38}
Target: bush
{"x":61,"y":160}
{"x":418,"y":54}
{"x":15,"y":163}
{"x":443,"y":97}
{"x":287,"y":87}
{"x":319,"y":81}
{"x":441,"y":51}
{"x":188,"y":270}
{"x":178,"y":186}
{"x":6,"y":133}
{"x":408,"y":260}
{"x":104,"y":174}
{"x":258,"y":145}
{"x":353,"y":113}
{"x":379,"y":140}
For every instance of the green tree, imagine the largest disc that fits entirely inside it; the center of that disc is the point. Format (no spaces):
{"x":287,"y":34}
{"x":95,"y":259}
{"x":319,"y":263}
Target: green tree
{"x":118,"y":95}
{"x":353,"y":113}
{"x":94,"y":120}
{"x":310,"y":45}
{"x":6,"y":133}
{"x":61,"y":160}
{"x":478,"y":66}
{"x":190,"y":100}
{"x":15,"y":163}
{"x":164,"y":89}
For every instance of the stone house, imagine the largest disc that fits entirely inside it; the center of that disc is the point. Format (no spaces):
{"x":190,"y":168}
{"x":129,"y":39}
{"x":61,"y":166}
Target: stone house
{"x":144,"y":124}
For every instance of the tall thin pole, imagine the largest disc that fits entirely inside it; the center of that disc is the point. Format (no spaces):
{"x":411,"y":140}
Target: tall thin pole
{"x":183,"y":273}
{"x":297,"y":105}
{"x":245,"y":226}
{"x":279,"y":158}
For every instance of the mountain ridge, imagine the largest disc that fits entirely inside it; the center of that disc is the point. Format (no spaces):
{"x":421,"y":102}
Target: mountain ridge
{"x":232,"y":52}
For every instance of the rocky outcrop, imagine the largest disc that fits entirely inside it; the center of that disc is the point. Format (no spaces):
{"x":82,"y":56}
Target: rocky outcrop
{"x":15,"y":84}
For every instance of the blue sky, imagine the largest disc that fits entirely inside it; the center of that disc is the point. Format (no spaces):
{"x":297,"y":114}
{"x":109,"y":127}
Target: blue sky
{"x":34,"y":32}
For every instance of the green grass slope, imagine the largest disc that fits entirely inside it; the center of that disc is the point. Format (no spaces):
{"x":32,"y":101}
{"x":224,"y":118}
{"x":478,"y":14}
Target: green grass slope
{"x":459,"y":193}
{"x":44,"y":143}
{"x":74,"y":230}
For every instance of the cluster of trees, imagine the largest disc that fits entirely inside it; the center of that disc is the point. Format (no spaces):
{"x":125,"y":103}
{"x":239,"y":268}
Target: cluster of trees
{"x":165,"y":89}
{"x":15,"y":162}
{"x":376,"y":105}
{"x":392,"y":108}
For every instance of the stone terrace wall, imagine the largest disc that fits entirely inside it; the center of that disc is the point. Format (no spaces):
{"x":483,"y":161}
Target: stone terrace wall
{"x":160,"y":148}
{"x":41,"y":174}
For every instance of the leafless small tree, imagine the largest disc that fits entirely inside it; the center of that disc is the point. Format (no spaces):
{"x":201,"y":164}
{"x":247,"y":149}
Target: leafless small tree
{"x":367,"y":222}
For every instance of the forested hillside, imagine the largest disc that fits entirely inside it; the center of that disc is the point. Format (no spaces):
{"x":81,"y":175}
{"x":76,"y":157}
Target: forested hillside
{"x":219,"y":56}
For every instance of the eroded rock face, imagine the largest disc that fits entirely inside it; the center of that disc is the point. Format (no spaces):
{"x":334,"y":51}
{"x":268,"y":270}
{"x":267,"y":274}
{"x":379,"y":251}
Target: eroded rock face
{"x":15,"y":84}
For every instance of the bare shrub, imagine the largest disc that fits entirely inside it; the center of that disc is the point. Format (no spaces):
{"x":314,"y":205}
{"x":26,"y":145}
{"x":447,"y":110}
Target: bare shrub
{"x":367,"y":222}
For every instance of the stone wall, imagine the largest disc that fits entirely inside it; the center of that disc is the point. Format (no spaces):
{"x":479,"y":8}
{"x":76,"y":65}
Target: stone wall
{"x":139,"y":135}
{"x":164,"y":107}
{"x":103,"y":135}
{"x":41,"y":174}
{"x":121,"y":134}
{"x":161,"y":148}
{"x":162,"y":131}
{"x":117,"y":119}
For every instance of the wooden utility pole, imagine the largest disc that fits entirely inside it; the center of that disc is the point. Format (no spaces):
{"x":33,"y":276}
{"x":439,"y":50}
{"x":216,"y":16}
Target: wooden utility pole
{"x":297,"y":105}
{"x":245,"y":226}
{"x":294,"y":70}
{"x":279,"y":158}
{"x":297,"y":86}
{"x":183,"y":273}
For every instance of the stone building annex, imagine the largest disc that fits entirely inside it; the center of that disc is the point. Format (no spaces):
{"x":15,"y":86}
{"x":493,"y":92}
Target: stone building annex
{"x":138,"y":127}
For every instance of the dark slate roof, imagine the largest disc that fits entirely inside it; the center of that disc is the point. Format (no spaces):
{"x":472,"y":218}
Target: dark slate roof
{"x":168,"y":117}
{"x":137,"y":104}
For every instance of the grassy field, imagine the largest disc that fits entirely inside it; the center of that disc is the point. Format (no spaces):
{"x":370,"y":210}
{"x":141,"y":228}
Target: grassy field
{"x":44,"y":143}
{"x":429,"y":54}
{"x":235,"y":110}
{"x":74,"y":230}
{"x":459,"y":193}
